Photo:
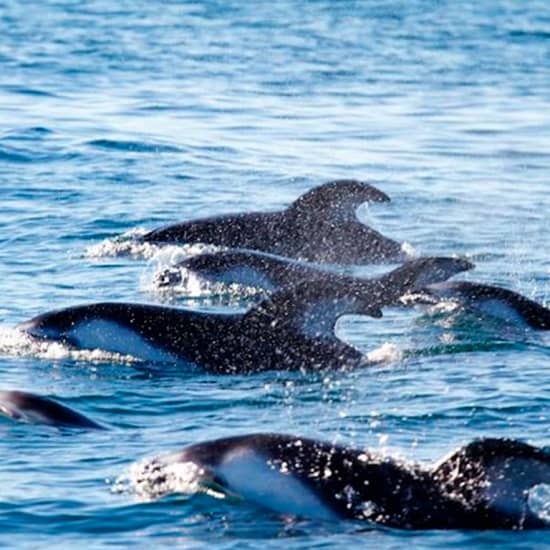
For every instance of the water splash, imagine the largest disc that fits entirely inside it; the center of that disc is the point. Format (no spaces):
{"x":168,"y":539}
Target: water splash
{"x":538,"y":501}
{"x":126,"y":244}
{"x":186,"y":282}
{"x":151,"y":479}
{"x":386,"y":353}
{"x":16,"y":343}
{"x":129,"y":244}
{"x":166,"y":278}
{"x":409,"y":250}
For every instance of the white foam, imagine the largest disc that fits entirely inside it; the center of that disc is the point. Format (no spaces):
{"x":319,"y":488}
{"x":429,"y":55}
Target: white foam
{"x":386,"y":353}
{"x":122,"y":245}
{"x":188,"y":283}
{"x":170,"y":254}
{"x":409,"y":250}
{"x":413,"y":298}
{"x":128,"y":244}
{"x":16,"y":343}
{"x":152,"y":479}
{"x":446,"y":306}
{"x":538,"y":500}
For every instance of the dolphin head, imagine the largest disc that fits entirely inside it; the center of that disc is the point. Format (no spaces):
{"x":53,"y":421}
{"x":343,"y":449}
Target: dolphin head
{"x":53,"y":325}
{"x":337,"y":200}
{"x":61,"y":324}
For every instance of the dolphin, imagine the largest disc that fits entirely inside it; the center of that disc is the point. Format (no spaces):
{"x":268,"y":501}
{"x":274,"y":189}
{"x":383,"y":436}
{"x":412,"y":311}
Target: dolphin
{"x":320,"y":226}
{"x":30,"y":407}
{"x":483,"y":485}
{"x":292,"y":329}
{"x":491,"y":300}
{"x":251,"y":268}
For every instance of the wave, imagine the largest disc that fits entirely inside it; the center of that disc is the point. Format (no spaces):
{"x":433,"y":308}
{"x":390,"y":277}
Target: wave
{"x":133,"y":146}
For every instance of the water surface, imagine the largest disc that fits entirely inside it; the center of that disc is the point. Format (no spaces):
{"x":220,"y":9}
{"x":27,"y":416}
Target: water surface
{"x":120,"y":116}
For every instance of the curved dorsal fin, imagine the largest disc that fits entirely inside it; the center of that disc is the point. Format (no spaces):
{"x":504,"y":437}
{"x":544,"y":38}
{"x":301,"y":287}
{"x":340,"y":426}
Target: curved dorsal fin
{"x":313,"y":307}
{"x":496,"y":474}
{"x":337,"y":200}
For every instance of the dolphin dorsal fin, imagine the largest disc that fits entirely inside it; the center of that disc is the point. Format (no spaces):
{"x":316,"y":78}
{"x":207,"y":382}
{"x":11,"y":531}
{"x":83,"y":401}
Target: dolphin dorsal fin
{"x":337,"y":200}
{"x":495,"y":474}
{"x":313,"y":307}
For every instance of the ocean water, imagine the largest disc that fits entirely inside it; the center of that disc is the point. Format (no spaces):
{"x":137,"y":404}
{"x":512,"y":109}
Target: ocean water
{"x":116,"y":117}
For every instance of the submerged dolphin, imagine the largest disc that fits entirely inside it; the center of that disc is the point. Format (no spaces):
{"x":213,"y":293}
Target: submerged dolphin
{"x":483,"y":485}
{"x":30,"y":407}
{"x":250,"y":268}
{"x":320,"y":226}
{"x":492,"y":300}
{"x":293,"y":329}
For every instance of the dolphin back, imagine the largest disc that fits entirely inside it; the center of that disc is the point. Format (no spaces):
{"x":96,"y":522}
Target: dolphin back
{"x":495,"y":301}
{"x":29,"y":407}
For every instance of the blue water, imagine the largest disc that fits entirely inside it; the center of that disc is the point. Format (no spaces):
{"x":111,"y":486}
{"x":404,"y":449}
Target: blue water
{"x":120,"y":116}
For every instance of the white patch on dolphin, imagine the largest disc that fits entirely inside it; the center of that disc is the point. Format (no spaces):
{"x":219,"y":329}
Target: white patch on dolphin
{"x":249,"y":474}
{"x":112,"y":337}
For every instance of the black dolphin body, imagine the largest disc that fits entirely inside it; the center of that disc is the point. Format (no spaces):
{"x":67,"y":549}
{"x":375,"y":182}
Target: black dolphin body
{"x":320,"y":226}
{"x":492,"y":300}
{"x":293,"y":329}
{"x":30,"y":407}
{"x":483,"y":485}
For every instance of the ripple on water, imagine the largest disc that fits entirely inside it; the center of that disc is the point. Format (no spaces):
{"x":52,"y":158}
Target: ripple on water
{"x":119,"y":116}
{"x":132,"y":146}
